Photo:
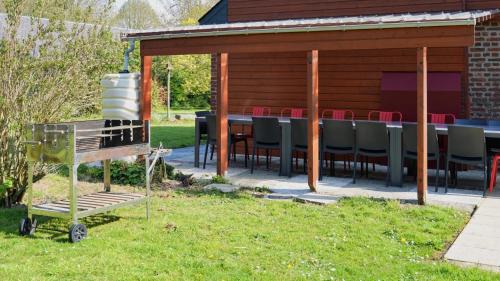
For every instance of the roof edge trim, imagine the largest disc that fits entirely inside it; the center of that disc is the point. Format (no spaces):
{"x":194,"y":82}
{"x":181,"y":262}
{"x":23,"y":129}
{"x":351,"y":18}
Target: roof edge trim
{"x":298,"y":29}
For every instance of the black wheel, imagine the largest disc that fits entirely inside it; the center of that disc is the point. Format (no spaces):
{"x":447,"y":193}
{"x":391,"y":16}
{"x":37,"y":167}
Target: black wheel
{"x":27,"y":227}
{"x":77,"y":232}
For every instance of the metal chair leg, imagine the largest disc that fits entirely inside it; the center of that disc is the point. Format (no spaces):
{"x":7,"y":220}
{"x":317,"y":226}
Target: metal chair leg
{"x":355,"y":166}
{"x":267,"y":159}
{"x":446,"y":176}
{"x":402,"y":170}
{"x":253,"y":158}
{"x":321,"y":156}
{"x":305,"y":163}
{"x":332,"y":165}
{"x":437,"y":174}
{"x":205,"y":158}
{"x":388,"y":174}
{"x":246,"y":153}
{"x":485,"y":178}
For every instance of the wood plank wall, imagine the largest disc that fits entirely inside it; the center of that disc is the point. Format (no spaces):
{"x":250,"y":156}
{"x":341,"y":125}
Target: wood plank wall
{"x":244,"y":10}
{"x":347,"y":79}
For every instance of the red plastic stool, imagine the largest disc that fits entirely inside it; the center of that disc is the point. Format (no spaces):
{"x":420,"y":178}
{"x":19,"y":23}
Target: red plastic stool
{"x":494,"y":168}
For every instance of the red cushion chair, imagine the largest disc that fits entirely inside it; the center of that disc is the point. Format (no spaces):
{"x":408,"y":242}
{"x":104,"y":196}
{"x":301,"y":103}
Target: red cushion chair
{"x":292,"y":112}
{"x":257,"y":111}
{"x":337,"y":114}
{"x":385,"y":116}
{"x":441,"y":118}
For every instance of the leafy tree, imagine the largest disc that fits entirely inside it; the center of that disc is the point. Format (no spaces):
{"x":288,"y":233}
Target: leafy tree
{"x":190,"y":80}
{"x":47,"y":75}
{"x":187,"y":12}
{"x":136,"y":14}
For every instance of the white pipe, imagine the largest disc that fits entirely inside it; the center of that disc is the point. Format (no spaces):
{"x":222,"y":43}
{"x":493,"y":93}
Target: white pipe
{"x":127,"y":54}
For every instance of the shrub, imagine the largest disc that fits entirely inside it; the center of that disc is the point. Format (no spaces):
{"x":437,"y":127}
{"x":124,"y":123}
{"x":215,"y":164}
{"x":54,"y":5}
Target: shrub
{"x":220,"y":180}
{"x":122,"y":173}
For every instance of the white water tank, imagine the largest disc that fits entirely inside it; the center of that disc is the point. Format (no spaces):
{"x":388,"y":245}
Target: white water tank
{"x":120,"y":98}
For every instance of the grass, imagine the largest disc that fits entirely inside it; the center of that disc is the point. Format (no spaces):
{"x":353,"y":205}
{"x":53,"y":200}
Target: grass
{"x":173,"y":134}
{"x":211,"y":236}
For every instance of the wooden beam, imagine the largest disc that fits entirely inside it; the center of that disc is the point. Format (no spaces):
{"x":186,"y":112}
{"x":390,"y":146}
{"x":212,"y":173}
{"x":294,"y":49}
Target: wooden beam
{"x":146,"y":84}
{"x":444,"y":36}
{"x":222,"y":104}
{"x":313,"y":122}
{"x":422,"y":124}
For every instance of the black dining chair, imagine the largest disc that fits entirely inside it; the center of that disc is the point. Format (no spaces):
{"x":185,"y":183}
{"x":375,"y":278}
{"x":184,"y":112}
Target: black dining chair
{"x":466,"y":145}
{"x":410,"y":146}
{"x":266,"y":135}
{"x":338,"y":138}
{"x":471,"y":122}
{"x":493,"y":144}
{"x":212,"y":140}
{"x":211,"y":137}
{"x":203,"y":126}
{"x":299,"y":139}
{"x":372,"y":140}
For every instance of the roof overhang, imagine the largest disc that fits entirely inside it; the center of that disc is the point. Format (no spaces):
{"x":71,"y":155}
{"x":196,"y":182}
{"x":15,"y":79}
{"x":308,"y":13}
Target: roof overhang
{"x":448,"y":29}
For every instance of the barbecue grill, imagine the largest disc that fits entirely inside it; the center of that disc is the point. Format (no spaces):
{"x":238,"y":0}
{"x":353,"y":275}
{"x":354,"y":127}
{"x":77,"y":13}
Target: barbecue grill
{"x":75,"y":143}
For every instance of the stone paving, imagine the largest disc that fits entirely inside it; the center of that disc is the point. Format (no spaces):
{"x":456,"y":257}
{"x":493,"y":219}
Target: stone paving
{"x":479,"y":242}
{"x":477,"y":245}
{"x":337,"y":187}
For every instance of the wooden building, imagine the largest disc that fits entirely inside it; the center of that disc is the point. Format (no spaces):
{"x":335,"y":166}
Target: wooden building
{"x":364,"y":80}
{"x":359,"y":55}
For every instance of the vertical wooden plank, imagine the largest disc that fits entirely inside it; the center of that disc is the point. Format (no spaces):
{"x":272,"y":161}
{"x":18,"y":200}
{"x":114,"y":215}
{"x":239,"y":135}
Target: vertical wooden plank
{"x":146,"y":84}
{"x":107,"y":175}
{"x":422,"y":124}
{"x":313,"y":122}
{"x":222,"y":104}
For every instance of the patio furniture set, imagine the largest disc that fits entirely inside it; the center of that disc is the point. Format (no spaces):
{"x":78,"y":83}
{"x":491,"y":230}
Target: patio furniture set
{"x":453,"y":144}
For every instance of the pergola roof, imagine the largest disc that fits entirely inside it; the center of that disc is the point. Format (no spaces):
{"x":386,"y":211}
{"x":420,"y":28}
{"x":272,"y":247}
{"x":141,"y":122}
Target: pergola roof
{"x":408,"y":20}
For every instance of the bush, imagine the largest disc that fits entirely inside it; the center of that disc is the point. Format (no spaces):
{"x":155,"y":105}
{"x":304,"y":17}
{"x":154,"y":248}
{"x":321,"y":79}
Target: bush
{"x":219,"y":179}
{"x":122,"y":173}
{"x":49,"y":73}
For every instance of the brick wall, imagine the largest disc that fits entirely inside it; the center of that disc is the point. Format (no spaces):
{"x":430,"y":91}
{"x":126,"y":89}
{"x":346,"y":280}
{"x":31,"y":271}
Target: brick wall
{"x":484,"y":72}
{"x":213,"y":89}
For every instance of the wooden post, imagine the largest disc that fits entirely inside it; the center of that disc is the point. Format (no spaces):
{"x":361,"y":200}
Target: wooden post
{"x":146,"y":63}
{"x":313,"y":122}
{"x":222,"y":104}
{"x":422,"y":124}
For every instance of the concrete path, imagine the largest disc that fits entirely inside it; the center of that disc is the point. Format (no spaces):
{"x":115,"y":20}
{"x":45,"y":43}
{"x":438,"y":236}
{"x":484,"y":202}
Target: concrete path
{"x":335,"y":187}
{"x":479,"y":242}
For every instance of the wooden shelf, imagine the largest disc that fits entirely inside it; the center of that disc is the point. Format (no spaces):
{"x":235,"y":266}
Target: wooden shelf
{"x":89,"y":204}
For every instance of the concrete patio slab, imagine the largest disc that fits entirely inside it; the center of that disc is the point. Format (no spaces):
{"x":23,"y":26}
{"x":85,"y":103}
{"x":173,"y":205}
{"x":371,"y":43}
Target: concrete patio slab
{"x":478,"y":244}
{"x":337,"y":187}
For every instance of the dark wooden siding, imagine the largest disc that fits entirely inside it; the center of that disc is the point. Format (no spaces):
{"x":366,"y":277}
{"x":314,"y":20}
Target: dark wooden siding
{"x":347,"y":79}
{"x":482,"y":4}
{"x":244,"y":10}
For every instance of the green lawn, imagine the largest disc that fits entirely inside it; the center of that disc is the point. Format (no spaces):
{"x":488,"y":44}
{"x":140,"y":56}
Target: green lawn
{"x":200,"y":236}
{"x":173,"y":134}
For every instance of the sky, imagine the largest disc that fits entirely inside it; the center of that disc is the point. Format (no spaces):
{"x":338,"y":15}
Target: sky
{"x":156,"y":4}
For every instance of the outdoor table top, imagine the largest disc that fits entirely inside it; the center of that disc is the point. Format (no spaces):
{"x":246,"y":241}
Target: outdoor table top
{"x":490,"y":131}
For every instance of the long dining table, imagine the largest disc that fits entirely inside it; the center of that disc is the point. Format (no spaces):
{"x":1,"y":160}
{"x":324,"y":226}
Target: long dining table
{"x":395,"y":138}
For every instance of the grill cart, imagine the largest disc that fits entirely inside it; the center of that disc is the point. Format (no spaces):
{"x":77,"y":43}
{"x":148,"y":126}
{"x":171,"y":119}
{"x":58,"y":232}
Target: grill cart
{"x":84,"y":142}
